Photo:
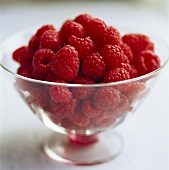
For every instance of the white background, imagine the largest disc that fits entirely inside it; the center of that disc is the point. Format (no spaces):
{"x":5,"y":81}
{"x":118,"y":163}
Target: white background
{"x":145,"y":133}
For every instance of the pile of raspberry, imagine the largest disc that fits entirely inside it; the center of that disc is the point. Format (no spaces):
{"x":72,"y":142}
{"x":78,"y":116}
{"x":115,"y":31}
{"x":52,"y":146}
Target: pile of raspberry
{"x":85,"y":51}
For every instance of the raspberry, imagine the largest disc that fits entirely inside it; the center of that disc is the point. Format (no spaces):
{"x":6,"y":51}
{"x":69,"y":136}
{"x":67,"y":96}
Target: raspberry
{"x":147,"y":62}
{"x":133,"y":72}
{"x":113,"y":56}
{"x":65,"y":64}
{"x":39,"y":97}
{"x":105,"y":119}
{"x":17,"y":52}
{"x":64,"y":109}
{"x":127,"y":51}
{"x":83,"y":19}
{"x":20,"y":70}
{"x":93,"y":66}
{"x":82,"y":93}
{"x":37,"y":75}
{"x":138,"y":43}
{"x":67,"y":124}
{"x":44,"y":28}
{"x":117,"y":74}
{"x":25,"y":57}
{"x":26,"y":72}
{"x":126,"y":66}
{"x":135,"y":90}
{"x":51,"y":40}
{"x":79,"y":118}
{"x":89,"y":110}
{"x":84,"y":46}
{"x":53,"y":78}
{"x":34,"y":43}
{"x":96,"y":29}
{"x":72,"y":28}
{"x":60,"y":94}
{"x":123,"y":105}
{"x":112,"y":36}
{"x":42,"y":59}
{"x":104,"y":123}
{"x":55,"y":118}
{"x":122,"y":87}
{"x":83,"y":80}
{"x":106,"y":98}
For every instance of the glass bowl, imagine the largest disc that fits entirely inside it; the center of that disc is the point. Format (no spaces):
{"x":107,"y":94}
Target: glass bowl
{"x":83,"y":126}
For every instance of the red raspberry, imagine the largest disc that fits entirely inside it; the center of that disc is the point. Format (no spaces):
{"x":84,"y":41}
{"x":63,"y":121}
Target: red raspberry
{"x":25,"y":57}
{"x":147,"y":62}
{"x":60,"y":94}
{"x":89,"y":110}
{"x":97,"y":29}
{"x":34,"y":43}
{"x":37,"y":75}
{"x":42,"y":59}
{"x":112,"y":36}
{"x":138,"y":43}
{"x":122,"y":87}
{"x":84,"y":46}
{"x":106,"y":98}
{"x":72,"y":28}
{"x":17,"y":52}
{"x":126,"y":66}
{"x":83,"y":19}
{"x":53,"y":78}
{"x":20,"y":70}
{"x":67,"y":124}
{"x":38,"y":97}
{"x":123,"y":105}
{"x":135,"y":90}
{"x":105,"y":123}
{"x":65,"y":64}
{"x":83,"y":80}
{"x":133,"y":72}
{"x":113,"y":56}
{"x":64,"y":109}
{"x":26,"y":72}
{"x":82,"y":93}
{"x":55,"y":118}
{"x":93,"y":66}
{"x":117,"y":74}
{"x":105,"y":119}
{"x":44,"y":28}
{"x":79,"y":118}
{"x":127,"y":51}
{"x":51,"y":40}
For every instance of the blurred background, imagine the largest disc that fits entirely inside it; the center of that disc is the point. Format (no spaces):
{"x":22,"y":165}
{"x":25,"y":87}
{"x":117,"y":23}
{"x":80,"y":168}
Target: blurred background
{"x":26,"y":13}
{"x":21,"y":133}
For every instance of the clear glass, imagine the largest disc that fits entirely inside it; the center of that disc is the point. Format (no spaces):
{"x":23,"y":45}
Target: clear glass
{"x":80,"y":134}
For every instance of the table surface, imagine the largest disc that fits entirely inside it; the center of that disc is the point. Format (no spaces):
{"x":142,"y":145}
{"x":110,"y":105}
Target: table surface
{"x":145,"y":133}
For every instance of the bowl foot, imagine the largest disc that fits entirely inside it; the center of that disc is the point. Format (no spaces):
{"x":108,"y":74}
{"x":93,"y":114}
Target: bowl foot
{"x":63,"y":149}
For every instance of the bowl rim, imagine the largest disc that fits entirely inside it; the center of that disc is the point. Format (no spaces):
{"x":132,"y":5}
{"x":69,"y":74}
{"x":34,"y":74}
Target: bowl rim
{"x":81,"y":85}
